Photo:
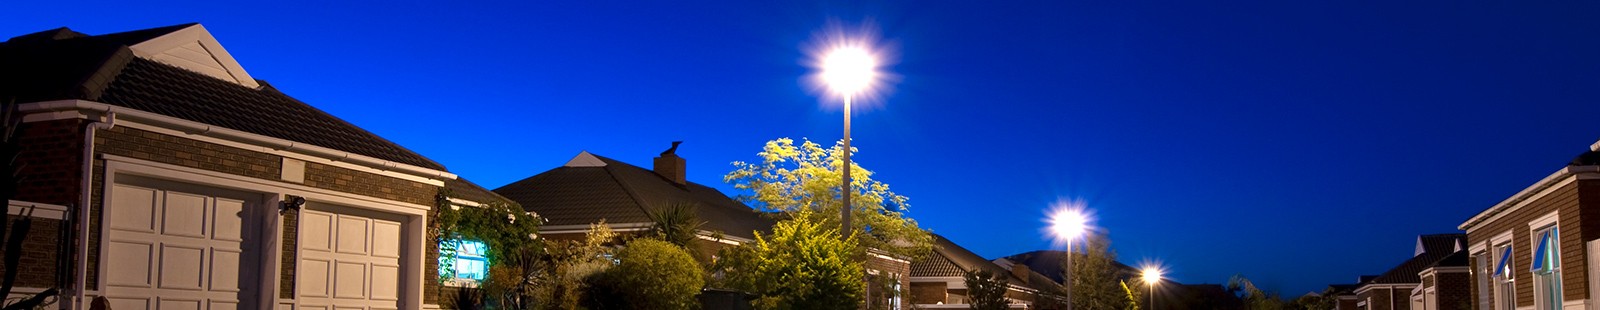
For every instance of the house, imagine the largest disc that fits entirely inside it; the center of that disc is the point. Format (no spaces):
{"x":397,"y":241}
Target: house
{"x":1531,"y":250}
{"x":1430,"y":279}
{"x":1344,"y":295}
{"x":164,"y":176}
{"x":938,"y":281}
{"x":590,"y":188}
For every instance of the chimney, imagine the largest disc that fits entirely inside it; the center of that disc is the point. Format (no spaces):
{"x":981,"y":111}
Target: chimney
{"x":1021,"y":271}
{"x":670,"y":166}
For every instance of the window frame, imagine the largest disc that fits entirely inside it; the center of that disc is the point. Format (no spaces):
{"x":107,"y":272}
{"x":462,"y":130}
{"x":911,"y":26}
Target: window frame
{"x":1549,"y":274}
{"x":1504,"y":285}
{"x":456,"y":279}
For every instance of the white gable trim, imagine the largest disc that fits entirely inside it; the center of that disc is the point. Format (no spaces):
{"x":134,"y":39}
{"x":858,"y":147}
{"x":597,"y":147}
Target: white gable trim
{"x":194,"y":48}
{"x":584,"y":159}
{"x":1528,"y":195}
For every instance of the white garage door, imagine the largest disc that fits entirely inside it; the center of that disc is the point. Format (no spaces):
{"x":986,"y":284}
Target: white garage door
{"x":349,"y":259}
{"x":174,"y":250}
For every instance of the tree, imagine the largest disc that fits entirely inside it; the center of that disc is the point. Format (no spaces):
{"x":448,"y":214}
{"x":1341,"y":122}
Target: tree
{"x":792,"y":178}
{"x":1254,"y":298}
{"x":986,"y":290}
{"x":568,"y":267}
{"x":1095,"y":277}
{"x":654,"y":274}
{"x":801,"y":265}
{"x":676,"y":223}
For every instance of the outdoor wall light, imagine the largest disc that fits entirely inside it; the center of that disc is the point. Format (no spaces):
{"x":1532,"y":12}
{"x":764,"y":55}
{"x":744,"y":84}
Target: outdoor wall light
{"x":291,"y":202}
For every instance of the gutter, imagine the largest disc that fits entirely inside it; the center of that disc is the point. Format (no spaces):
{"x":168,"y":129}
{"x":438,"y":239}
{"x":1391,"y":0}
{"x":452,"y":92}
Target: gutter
{"x":1527,"y":193}
{"x":197,"y":128}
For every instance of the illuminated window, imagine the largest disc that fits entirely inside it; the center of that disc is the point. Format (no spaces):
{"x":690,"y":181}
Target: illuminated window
{"x":1546,"y":268}
{"x":1484,"y":286}
{"x":1505,"y":286}
{"x":471,"y":261}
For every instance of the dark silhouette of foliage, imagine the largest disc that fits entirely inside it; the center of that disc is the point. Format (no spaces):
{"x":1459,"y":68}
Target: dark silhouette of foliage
{"x":986,"y":290}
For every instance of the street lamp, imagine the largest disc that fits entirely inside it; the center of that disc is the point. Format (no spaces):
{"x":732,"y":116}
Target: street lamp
{"x":1151,"y":276}
{"x":848,"y":70}
{"x":1067,"y":224}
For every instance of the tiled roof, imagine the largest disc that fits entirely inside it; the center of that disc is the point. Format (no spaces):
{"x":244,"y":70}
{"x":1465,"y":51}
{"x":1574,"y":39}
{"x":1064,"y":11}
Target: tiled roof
{"x":460,"y":188}
{"x":61,"y":64}
{"x":1435,"y":248}
{"x":947,"y":254}
{"x":622,"y":193}
{"x":1049,"y":263}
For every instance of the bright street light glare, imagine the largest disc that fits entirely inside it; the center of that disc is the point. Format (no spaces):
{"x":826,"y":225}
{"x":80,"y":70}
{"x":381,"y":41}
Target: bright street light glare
{"x":1151,"y":275}
{"x":849,"y":70}
{"x":1068,"y":223}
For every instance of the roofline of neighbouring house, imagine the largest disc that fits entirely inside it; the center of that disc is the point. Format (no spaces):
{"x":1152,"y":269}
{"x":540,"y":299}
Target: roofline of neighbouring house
{"x":1525,"y":196}
{"x":75,"y":108}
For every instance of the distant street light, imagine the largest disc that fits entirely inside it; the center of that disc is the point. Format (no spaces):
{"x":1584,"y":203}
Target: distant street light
{"x":1067,"y":224}
{"x":849,"y":70}
{"x":1151,"y":276}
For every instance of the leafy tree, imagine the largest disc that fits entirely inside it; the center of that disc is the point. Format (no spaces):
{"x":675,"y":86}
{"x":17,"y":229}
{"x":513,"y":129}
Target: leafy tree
{"x":1096,"y":282}
{"x":676,"y":223}
{"x":801,"y":265}
{"x":1133,"y":296}
{"x":986,"y":290}
{"x":1254,"y":298}
{"x":653,"y":274}
{"x":791,"y":178}
{"x":568,"y":267}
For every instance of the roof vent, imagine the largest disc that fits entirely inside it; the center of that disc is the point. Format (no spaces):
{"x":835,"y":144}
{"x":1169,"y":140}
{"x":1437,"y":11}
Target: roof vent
{"x":670,"y":166}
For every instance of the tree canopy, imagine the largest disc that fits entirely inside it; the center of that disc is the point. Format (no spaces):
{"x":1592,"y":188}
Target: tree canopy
{"x":801,"y":265}
{"x":791,"y":178}
{"x":1096,"y":279}
{"x":986,"y":290}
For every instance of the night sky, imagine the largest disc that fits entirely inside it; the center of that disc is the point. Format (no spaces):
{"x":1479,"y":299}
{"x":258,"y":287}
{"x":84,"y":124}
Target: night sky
{"x":1299,"y":143}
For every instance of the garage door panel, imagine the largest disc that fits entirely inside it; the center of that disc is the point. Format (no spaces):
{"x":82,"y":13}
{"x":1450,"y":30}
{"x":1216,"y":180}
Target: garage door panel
{"x":182,"y":267}
{"x":316,"y":230}
{"x":180,"y":304}
{"x":129,"y":303}
{"x":133,"y":208}
{"x":132,"y":264}
{"x":350,"y":280}
{"x":314,"y":278}
{"x":227,"y":220}
{"x":223,"y":305}
{"x":385,"y":280}
{"x":224,"y":275}
{"x":184,"y":215}
{"x":352,"y":237}
{"x":385,"y":238}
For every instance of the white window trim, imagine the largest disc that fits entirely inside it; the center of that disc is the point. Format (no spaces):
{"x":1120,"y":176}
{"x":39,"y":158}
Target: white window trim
{"x":40,"y":210}
{"x":1494,"y":242}
{"x":1547,"y":221}
{"x":463,"y":282}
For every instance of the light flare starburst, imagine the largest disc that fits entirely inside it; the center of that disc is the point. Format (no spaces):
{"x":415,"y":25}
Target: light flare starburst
{"x":849,"y":62}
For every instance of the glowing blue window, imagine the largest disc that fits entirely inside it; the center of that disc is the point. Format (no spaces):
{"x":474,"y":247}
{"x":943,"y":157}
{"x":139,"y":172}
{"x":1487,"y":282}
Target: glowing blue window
{"x":471,"y":261}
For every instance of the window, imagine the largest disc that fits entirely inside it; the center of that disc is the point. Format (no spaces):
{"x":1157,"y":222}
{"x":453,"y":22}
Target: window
{"x":470,"y":264}
{"x":1505,"y":288}
{"x":1546,"y":268}
{"x":1481,"y":273}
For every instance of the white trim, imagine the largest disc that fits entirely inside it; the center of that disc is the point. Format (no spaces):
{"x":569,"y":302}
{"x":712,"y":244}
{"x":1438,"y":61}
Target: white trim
{"x":584,"y":228}
{"x":196,"y":33}
{"x":1545,"y":186}
{"x":234,"y":138}
{"x":1544,"y":220}
{"x":236,"y":182}
{"x":726,"y":239}
{"x":893,"y":259}
{"x":1482,"y":246}
{"x":40,"y":210}
{"x":1501,"y":238}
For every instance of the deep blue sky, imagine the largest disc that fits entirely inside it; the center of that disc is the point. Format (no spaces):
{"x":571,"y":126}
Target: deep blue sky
{"x":1299,"y":143}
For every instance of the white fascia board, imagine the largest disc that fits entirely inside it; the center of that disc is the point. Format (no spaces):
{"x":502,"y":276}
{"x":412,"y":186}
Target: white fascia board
{"x":584,"y":228}
{"x":196,"y":34}
{"x":1528,"y":195}
{"x":272,"y":145}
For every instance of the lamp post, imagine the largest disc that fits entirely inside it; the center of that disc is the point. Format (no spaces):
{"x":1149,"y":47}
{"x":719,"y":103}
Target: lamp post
{"x":1068,"y":224}
{"x":848,"y":71}
{"x":1151,"y":276}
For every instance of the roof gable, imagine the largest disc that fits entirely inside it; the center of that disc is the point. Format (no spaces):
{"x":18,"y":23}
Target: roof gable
{"x":192,"y":48}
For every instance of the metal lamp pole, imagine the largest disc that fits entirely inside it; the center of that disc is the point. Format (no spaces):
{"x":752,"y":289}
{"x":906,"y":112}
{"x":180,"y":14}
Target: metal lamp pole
{"x":844,"y":212}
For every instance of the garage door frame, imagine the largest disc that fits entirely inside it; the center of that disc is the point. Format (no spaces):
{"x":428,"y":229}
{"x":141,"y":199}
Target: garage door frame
{"x":413,"y":229}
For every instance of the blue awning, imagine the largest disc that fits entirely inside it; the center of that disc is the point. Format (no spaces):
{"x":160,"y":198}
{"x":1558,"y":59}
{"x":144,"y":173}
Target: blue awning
{"x":1500,"y":269}
{"x":1539,"y":255}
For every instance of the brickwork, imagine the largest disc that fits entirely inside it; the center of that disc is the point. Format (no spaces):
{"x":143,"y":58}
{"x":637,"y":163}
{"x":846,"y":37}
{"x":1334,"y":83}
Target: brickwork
{"x":286,"y":260}
{"x":39,"y":262}
{"x":1575,"y":230}
{"x":1377,"y":299}
{"x":179,"y":151}
{"x":1454,"y":291}
{"x":927,"y":292}
{"x":369,"y":184}
{"x":51,"y":160}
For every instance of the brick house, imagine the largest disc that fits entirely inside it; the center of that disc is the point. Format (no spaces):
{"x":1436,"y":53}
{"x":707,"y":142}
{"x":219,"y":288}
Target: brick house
{"x":165,"y":177}
{"x":938,"y":282}
{"x":1430,"y":279}
{"x":590,"y":188}
{"x":1531,"y":250}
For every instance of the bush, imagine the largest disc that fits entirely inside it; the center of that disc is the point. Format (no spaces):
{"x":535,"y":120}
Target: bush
{"x":652,"y":274}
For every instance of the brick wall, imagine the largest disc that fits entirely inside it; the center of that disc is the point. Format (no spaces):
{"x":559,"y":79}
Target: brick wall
{"x":1454,"y":290}
{"x":1377,"y":299}
{"x":927,"y":292}
{"x":286,"y":260}
{"x":368,"y":184}
{"x":1575,"y":231}
{"x":39,"y":262}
